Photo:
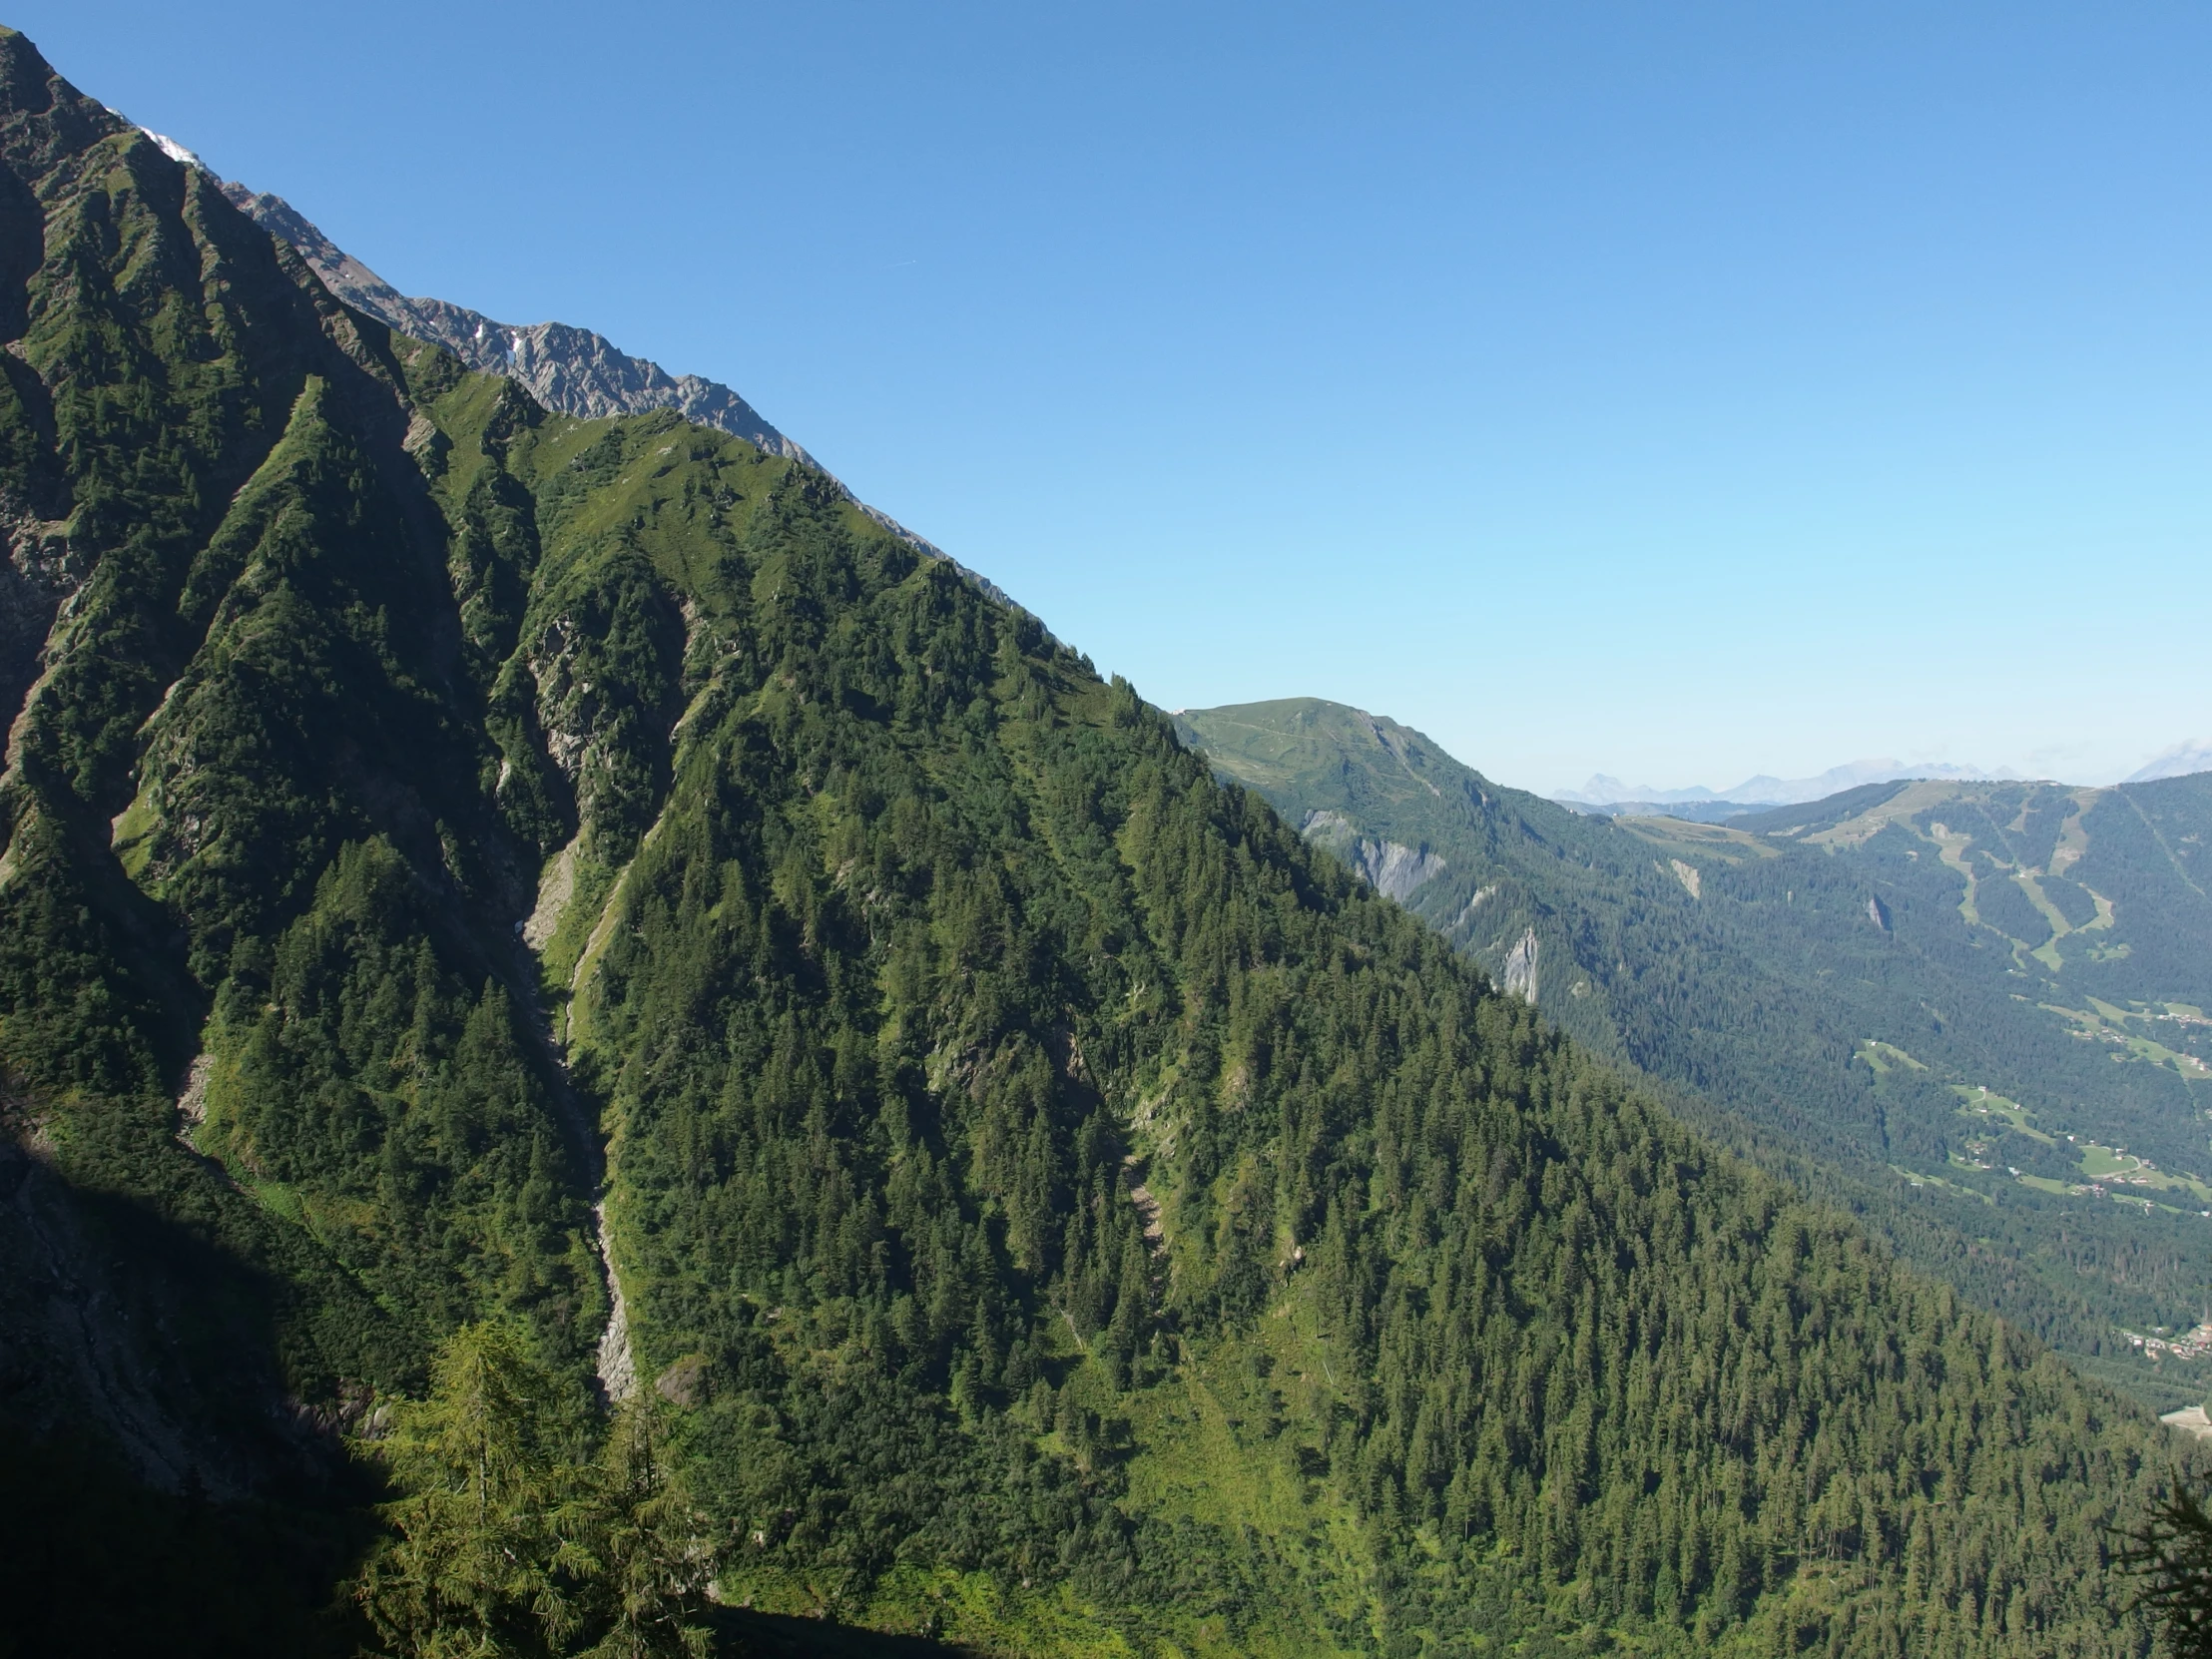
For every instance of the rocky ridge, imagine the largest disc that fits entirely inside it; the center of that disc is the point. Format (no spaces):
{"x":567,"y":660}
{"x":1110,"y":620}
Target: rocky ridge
{"x":570,"y":370}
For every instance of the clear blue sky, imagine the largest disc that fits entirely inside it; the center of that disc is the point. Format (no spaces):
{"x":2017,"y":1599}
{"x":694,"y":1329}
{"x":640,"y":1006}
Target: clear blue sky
{"x":1680,"y":392}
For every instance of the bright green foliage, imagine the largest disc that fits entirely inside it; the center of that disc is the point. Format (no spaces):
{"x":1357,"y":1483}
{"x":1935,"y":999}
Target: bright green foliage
{"x":363,"y":1073}
{"x":640,"y":1547}
{"x":888,"y":997}
{"x":508,"y":1543}
{"x":1058,"y":1208}
{"x":483,"y":1465}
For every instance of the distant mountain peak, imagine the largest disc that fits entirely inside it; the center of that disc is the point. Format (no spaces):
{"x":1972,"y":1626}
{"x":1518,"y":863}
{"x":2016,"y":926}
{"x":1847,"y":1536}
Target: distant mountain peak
{"x":2190,"y":755}
{"x":1766,"y":790}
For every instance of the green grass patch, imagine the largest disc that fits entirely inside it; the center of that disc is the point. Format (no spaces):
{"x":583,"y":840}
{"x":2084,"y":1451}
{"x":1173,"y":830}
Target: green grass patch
{"x":2101,"y":1163}
{"x":1980,"y":1102}
{"x":1919,"y":1178}
{"x":1886,"y":1058}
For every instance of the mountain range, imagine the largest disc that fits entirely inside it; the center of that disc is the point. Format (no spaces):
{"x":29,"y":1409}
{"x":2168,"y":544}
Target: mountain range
{"x":576,"y":884}
{"x":1844,"y":989}
{"x":2195,"y":755}
{"x":1611,"y":795}
{"x":1766,"y":791}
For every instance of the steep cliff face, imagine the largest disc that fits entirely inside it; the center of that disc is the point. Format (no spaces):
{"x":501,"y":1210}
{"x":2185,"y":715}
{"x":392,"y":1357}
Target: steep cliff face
{"x":1518,"y":976}
{"x":1391,"y":869}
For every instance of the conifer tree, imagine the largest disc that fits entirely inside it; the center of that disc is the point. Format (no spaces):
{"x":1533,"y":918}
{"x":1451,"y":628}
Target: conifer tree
{"x":640,"y":1547}
{"x":470,"y":1572}
{"x":2172,"y":1554}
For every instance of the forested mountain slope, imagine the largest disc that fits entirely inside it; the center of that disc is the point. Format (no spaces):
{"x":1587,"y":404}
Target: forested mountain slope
{"x":1974,"y":1011}
{"x":1061,"y":1208}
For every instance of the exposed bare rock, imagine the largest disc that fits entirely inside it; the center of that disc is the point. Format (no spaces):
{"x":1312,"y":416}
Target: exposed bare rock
{"x":555,"y":888}
{"x":1391,"y":868}
{"x":1155,"y":1233}
{"x":1398,"y":870}
{"x":1878,"y":913}
{"x":616,"y":1363}
{"x":1473,"y":904}
{"x":567,"y":707}
{"x":570,"y":370}
{"x":1519,"y":976}
{"x":40,"y":575}
{"x":683,"y":1382}
{"x":1327,"y":828}
{"x":192,"y":1105}
{"x":1687,"y":875}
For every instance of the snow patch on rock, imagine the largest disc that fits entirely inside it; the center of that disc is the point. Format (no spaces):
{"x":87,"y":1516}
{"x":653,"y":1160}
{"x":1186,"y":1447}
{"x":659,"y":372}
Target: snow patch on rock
{"x":175,"y":151}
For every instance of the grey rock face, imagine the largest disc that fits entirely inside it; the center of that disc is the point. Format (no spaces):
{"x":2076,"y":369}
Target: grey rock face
{"x":1398,"y":870}
{"x":37,"y":576}
{"x":1391,"y":868}
{"x":572,"y":371}
{"x":1520,"y":968}
{"x":1332,"y":831}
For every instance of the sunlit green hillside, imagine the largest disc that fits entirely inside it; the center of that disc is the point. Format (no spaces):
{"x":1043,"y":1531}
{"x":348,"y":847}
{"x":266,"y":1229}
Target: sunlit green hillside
{"x":1848,"y":977}
{"x":465,"y":866}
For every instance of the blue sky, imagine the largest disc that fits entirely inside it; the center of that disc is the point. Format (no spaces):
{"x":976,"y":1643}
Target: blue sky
{"x":1679,"y":392}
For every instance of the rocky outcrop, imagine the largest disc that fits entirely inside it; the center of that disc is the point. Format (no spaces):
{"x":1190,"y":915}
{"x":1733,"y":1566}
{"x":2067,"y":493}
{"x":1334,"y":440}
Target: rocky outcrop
{"x":1391,"y":868}
{"x":1329,"y":829}
{"x":1519,"y":975}
{"x":1688,"y":875}
{"x":613,"y":1360}
{"x":40,"y":574}
{"x":1396,"y":870}
{"x":570,"y":370}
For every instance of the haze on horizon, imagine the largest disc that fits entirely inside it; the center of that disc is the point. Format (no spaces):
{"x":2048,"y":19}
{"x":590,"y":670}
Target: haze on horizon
{"x":1676,"y":395}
